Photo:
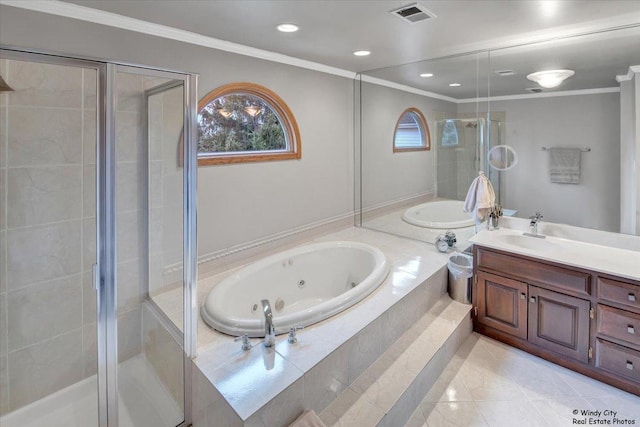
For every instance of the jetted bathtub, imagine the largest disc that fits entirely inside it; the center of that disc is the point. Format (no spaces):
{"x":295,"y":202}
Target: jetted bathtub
{"x":444,"y":214}
{"x":304,"y":285}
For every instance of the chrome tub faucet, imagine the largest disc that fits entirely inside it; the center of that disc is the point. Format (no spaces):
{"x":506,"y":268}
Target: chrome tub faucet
{"x":269,"y":330}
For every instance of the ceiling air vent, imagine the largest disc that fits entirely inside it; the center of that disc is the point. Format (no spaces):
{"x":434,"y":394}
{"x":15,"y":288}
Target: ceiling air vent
{"x":413,"y":13}
{"x":533,"y":89}
{"x":504,"y":73}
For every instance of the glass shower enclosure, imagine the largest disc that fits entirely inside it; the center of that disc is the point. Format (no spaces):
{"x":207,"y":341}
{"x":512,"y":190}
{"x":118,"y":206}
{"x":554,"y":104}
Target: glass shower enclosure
{"x":462,"y":146}
{"x":97,"y":215}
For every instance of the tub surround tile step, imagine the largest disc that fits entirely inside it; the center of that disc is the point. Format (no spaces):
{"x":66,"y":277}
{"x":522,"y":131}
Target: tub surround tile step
{"x":389,"y":390}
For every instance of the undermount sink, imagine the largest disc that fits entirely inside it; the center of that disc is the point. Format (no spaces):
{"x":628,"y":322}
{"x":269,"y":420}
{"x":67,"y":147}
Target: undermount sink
{"x":529,"y":242}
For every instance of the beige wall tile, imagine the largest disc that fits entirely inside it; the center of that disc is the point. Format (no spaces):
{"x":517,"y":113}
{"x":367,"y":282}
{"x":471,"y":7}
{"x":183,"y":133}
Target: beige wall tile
{"x":89,"y":350}
{"x":129,"y":334}
{"x":3,"y":324}
{"x":89,"y":138}
{"x":42,"y":253}
{"x":129,"y":132}
{"x":88,"y":299}
{"x":56,"y":139}
{"x":128,"y":232}
{"x":3,"y":261}
{"x":41,"y":311}
{"x":130,"y":284}
{"x":38,"y":84}
{"x":3,"y":205}
{"x":89,"y":88}
{"x":130,"y":92}
{"x":4,"y":386}
{"x":89,"y":232}
{"x":129,"y":188}
{"x":155,"y":127}
{"x":155,"y":184}
{"x":42,"y":195}
{"x":89,"y":191}
{"x":3,"y":136}
{"x":41,"y":369}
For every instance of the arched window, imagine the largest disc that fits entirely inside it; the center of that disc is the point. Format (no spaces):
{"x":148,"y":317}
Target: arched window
{"x":245,"y":122}
{"x":412,"y":132}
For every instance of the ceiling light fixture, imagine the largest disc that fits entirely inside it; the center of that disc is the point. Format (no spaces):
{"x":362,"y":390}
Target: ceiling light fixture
{"x":362,"y":53}
{"x":550,"y":78}
{"x":426,"y":75}
{"x":455,"y":84}
{"x":288,"y":28}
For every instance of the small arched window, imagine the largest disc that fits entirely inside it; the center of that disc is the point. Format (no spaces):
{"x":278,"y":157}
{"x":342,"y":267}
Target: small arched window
{"x":412,"y":132}
{"x":245,"y":122}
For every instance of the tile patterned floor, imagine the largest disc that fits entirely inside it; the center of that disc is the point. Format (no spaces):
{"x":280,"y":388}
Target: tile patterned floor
{"x":488,"y":383}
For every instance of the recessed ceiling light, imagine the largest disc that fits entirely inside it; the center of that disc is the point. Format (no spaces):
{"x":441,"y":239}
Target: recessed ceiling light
{"x":426,"y":75}
{"x":455,"y":84}
{"x":288,"y":28}
{"x":362,"y":53}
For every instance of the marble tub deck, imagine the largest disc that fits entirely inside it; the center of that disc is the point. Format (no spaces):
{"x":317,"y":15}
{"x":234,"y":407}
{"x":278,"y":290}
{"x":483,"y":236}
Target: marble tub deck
{"x":256,"y":383}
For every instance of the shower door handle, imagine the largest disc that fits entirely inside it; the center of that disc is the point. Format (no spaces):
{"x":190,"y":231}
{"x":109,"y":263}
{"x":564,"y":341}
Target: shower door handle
{"x":96,"y":276}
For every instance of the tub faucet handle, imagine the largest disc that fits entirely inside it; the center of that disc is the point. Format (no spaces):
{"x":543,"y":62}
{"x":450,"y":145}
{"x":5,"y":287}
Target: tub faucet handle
{"x":246,"y":344}
{"x":292,"y":334}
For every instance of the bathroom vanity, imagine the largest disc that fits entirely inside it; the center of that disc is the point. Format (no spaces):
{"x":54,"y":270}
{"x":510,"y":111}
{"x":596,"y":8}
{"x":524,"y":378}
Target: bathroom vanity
{"x":572,"y":303}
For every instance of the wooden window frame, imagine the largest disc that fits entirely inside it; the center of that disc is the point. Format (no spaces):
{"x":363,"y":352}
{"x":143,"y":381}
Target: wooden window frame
{"x":425,"y":128}
{"x":277,"y":104}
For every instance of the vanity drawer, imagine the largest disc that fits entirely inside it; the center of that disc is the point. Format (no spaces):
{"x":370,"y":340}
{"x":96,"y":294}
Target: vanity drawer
{"x":619,"y":360}
{"x":626,"y":294}
{"x":560,"y":278}
{"x":619,"y":324}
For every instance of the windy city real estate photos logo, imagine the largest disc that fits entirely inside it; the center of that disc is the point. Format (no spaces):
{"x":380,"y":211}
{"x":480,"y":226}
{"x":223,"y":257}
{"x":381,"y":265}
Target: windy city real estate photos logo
{"x":605,"y":417}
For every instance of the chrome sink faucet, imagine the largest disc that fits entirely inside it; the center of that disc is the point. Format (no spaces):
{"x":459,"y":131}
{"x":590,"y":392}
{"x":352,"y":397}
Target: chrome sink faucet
{"x":533,"y":226}
{"x":269,"y":329}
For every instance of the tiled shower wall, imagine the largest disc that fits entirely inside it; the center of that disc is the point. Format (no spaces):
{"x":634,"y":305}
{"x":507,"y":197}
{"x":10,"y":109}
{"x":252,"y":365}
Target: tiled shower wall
{"x":47,"y":230}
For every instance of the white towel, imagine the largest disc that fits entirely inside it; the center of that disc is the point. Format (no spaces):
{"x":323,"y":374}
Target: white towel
{"x":564,"y":165}
{"x":480,"y":198}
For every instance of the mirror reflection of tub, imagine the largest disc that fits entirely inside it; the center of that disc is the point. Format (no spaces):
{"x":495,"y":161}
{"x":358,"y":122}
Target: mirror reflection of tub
{"x":442,"y":214}
{"x":304,"y":285}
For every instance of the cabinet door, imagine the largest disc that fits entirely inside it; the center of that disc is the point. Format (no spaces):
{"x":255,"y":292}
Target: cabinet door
{"x":559,"y":323}
{"x":502,"y":304}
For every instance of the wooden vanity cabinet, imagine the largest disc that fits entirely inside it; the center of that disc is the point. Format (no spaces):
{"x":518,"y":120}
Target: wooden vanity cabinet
{"x":577,"y":318}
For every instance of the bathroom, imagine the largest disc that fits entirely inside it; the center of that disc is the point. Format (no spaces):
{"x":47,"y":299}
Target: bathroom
{"x":347,"y":170}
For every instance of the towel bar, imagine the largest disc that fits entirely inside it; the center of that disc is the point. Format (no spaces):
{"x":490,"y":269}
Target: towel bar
{"x":584,"y":150}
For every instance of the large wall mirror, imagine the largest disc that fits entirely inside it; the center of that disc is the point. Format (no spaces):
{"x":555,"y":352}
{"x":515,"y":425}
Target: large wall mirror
{"x":475,"y":102}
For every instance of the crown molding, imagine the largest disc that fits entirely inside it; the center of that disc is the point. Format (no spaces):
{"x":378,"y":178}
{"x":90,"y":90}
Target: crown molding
{"x":542,"y":95}
{"x":633,"y":70}
{"x":83,"y":13}
{"x":405,"y":88}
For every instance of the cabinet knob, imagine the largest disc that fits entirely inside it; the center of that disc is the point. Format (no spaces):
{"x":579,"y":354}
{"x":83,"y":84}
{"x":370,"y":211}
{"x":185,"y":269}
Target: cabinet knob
{"x":523,"y":296}
{"x":631,"y":329}
{"x":632,"y":297}
{"x":629,"y":366}
{"x":532,"y":300}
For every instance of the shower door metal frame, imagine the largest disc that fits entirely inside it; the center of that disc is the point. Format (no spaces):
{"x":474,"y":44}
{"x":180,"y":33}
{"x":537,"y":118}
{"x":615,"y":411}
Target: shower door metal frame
{"x":105,"y":273}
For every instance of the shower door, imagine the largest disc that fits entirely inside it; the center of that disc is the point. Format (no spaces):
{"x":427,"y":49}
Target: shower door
{"x":97,"y":198}
{"x":150,"y":185}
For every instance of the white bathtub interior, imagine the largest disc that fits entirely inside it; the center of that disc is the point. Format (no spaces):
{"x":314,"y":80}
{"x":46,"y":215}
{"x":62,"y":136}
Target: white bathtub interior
{"x":303,"y":285}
